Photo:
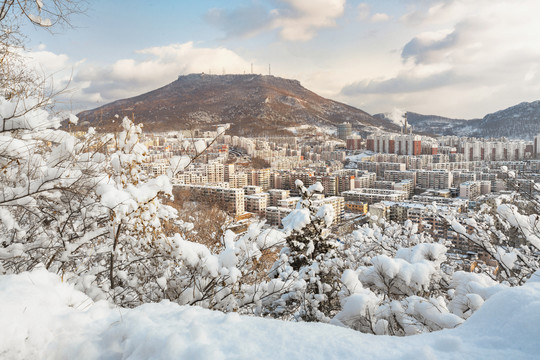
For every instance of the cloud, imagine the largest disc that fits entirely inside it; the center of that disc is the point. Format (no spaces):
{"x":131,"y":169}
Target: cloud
{"x":405,"y":82}
{"x":161,"y":65}
{"x":90,"y":85}
{"x":380,"y":17}
{"x":243,"y":21}
{"x":425,"y":45}
{"x":296,"y":20}
{"x":301,"y":20}
{"x":55,"y":69}
{"x":461,"y":57}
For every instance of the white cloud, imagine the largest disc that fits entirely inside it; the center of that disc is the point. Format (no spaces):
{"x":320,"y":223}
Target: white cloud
{"x":301,"y":21}
{"x":456,"y":58}
{"x":380,"y":17}
{"x":296,"y":20}
{"x":91,"y":85}
{"x":162,"y":65}
{"x":464,"y":59}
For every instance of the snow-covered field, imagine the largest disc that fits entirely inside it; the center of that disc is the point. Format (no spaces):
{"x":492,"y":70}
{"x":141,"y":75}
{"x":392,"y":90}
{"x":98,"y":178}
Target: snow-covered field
{"x":43,"y":318}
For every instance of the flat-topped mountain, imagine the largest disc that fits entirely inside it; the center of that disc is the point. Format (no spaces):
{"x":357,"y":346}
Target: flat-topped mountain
{"x":252,"y":104}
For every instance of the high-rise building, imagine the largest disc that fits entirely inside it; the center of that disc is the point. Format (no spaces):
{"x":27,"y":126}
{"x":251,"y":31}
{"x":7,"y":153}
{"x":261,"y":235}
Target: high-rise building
{"x":354,"y":142}
{"x":434,"y":179}
{"x":344,"y":130}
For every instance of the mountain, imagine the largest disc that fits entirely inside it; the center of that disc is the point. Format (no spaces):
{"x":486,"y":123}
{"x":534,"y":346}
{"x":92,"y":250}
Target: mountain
{"x":434,"y":124}
{"x":521,"y":121}
{"x":439,"y":125}
{"x":252,"y":104}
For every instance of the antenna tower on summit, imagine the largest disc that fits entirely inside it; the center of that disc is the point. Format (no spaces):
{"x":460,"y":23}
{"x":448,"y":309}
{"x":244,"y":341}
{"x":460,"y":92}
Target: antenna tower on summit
{"x":269,"y":71}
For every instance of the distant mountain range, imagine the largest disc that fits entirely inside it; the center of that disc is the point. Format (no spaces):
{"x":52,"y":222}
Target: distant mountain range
{"x":521,"y":121}
{"x":252,"y":104}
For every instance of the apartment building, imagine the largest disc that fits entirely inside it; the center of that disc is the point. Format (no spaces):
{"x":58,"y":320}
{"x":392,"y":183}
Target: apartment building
{"x":338,"y":203}
{"x":356,"y":207}
{"x":371,"y":196}
{"x":252,"y":189}
{"x":403,"y":144}
{"x":256,"y":203}
{"x":238,"y":180}
{"x":398,"y":176}
{"x":344,"y":130}
{"x":354,"y":142}
{"x":232,"y":199}
{"x":275,"y":214}
{"x":477,"y":149}
{"x":461,"y":176}
{"x":434,"y":179}
{"x":405,"y":186}
{"x":276,"y":195}
{"x":380,"y":167}
{"x":472,"y":189}
{"x":260,"y":178}
{"x":469,"y":190}
{"x":364,"y":180}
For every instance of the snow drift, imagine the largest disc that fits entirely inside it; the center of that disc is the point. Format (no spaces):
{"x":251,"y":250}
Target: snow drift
{"x":43,"y":318}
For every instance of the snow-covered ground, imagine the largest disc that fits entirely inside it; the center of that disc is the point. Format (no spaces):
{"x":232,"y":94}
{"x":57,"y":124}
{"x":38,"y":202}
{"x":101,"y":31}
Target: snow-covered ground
{"x":42,"y":317}
{"x":361,"y":156}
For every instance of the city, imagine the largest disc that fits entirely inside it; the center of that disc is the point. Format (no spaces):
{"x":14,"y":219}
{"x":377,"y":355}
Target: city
{"x":397,"y":177}
{"x":292,"y":179}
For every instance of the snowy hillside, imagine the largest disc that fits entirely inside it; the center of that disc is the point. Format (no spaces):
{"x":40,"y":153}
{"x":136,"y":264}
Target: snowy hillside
{"x":205,"y":100}
{"x":42,"y":317}
{"x":521,"y":121}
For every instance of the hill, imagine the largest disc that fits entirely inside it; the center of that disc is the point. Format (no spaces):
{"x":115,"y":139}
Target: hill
{"x":252,"y":104}
{"x":521,"y":121}
{"x":440,"y":125}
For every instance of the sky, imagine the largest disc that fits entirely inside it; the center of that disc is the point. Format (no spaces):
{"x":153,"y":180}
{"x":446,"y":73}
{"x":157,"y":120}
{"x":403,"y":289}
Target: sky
{"x":454,"y":58}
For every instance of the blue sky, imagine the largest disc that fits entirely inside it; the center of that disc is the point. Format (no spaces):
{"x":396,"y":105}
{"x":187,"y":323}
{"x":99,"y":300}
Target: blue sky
{"x":454,"y":58}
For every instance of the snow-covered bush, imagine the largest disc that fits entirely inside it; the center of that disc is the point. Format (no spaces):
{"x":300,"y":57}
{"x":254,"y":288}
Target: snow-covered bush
{"x":48,"y":209}
{"x":308,"y":262}
{"x":400,"y":295}
{"x":507,"y":228}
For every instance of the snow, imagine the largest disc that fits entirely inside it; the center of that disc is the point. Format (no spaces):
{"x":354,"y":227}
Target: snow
{"x":296,"y":220}
{"x":8,"y":220}
{"x":73,"y":119}
{"x":43,"y":317}
{"x":178,"y":163}
{"x":317,"y":187}
{"x":200,"y":146}
{"x":327,"y":213}
{"x":360,"y":157}
{"x":39,"y":20}
{"x":460,"y":229}
{"x":527,"y":224}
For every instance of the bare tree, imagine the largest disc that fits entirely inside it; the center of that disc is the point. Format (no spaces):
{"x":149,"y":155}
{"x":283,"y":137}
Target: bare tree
{"x":27,"y":87}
